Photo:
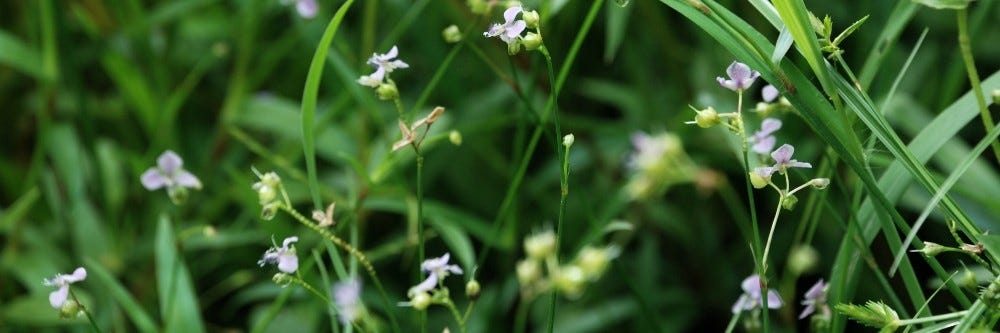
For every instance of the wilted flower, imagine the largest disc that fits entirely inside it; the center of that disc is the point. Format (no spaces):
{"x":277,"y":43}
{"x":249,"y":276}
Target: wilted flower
{"x":284,"y":256}
{"x":815,"y":298}
{"x":740,"y":77}
{"x":169,"y":172}
{"x":58,"y":297}
{"x":510,"y":30}
{"x":763,"y":140}
{"x":325,"y":219}
{"x":347,"y":297}
{"x":409,"y":132}
{"x":752,"y":294}
{"x":384,"y":64}
{"x":783,"y":159}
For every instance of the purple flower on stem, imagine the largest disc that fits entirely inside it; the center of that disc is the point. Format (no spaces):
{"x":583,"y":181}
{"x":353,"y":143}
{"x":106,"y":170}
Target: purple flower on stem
{"x":438,"y":268}
{"x":284,"y":257}
{"x":751,"y":297}
{"x":347,"y":297}
{"x":769,"y":93}
{"x":510,"y":30}
{"x":58,"y":297}
{"x":169,"y":172}
{"x":384,"y":64}
{"x":815,"y":297}
{"x":783,"y":159}
{"x":763,"y":140}
{"x":740,"y":77}
{"x":307,"y":8}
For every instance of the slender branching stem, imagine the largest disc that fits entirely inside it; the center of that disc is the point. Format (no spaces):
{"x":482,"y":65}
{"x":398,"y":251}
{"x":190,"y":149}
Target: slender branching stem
{"x":90,"y":318}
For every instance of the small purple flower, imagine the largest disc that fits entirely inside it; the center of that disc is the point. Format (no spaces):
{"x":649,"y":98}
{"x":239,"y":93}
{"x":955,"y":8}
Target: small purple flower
{"x":783,"y":159}
{"x":763,"y":140}
{"x":169,"y":172}
{"x":347,"y":297}
{"x":284,"y":256}
{"x":307,"y":8}
{"x":740,"y":77}
{"x":769,"y":93}
{"x":58,"y":297}
{"x":815,"y":297}
{"x":510,"y":30}
{"x":438,"y":269}
{"x":751,"y":297}
{"x":384,"y":64}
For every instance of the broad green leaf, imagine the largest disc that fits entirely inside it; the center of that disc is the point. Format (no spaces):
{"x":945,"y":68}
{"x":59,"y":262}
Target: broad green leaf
{"x":97,"y":273}
{"x":17,"y":55}
{"x":945,"y":4}
{"x":10,"y":215}
{"x":614,"y":31}
{"x":457,"y":240}
{"x":179,"y":310}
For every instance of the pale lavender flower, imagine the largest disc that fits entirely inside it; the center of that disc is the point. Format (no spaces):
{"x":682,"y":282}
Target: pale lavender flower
{"x":740,"y":77}
{"x":510,"y":30}
{"x":769,"y":93}
{"x":347,"y":297}
{"x":814,"y":298}
{"x":307,"y":8}
{"x":169,"y":172}
{"x":384,"y":64}
{"x":58,"y":297}
{"x":751,"y":297}
{"x":284,"y":256}
{"x":763,"y":140}
{"x":764,"y":171}
{"x":783,"y":159}
{"x":438,"y":269}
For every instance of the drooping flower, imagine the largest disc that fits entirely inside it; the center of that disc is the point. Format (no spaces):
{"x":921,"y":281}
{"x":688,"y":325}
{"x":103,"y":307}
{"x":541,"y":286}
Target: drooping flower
{"x":169,"y":172}
{"x":783,"y":159}
{"x":347,"y":298}
{"x":437,"y":269}
{"x":510,"y":30}
{"x":58,"y":297}
{"x":751,"y":297}
{"x":763,"y":140}
{"x":284,"y":256}
{"x":740,"y":77}
{"x":384,"y":64}
{"x":815,"y":298}
{"x":769,"y":93}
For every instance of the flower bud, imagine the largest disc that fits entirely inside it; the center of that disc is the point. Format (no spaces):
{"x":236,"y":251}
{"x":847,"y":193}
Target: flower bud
{"x":527,"y":271}
{"x":803,"y":259}
{"x":758,"y":180}
{"x":820,"y":183}
{"x":568,"y":140}
{"x":968,"y":280}
{"x":271,"y":179}
{"x":569,"y":280}
{"x":281,"y":279}
{"x":931,"y":249}
{"x":266,"y":194}
{"x":420,"y":301}
{"x":70,"y":309}
{"x":269,"y":211}
{"x":387,"y":91}
{"x":514,"y":48}
{"x":531,"y":19}
{"x":178,"y":194}
{"x":593,"y":261}
{"x":707,"y":118}
{"x":209,"y":231}
{"x":531,"y":41}
{"x":540,"y":245}
{"x":789,"y":201}
{"x":455,"y":137}
{"x":451,"y":34}
{"x":472,"y":289}
{"x":478,"y":6}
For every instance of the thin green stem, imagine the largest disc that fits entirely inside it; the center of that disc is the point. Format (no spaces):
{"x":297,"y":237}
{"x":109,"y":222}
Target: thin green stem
{"x":350,"y":249}
{"x":297,"y":279}
{"x":521,"y":318}
{"x":563,"y":176}
{"x":761,"y":265}
{"x":957,"y":314}
{"x":399,"y":109}
{"x":970,"y":66}
{"x":770,"y":235}
{"x":420,"y":207}
{"x":454,"y":312}
{"x":90,"y":318}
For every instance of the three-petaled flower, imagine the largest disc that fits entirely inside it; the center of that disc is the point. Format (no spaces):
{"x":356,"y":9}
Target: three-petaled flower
{"x":284,"y":256}
{"x":437,"y":269}
{"x":815,"y":298}
{"x":384,"y":64}
{"x":783,"y":159}
{"x":752,"y":296}
{"x":58,"y":297}
{"x":510,"y":30}
{"x":763,"y":140}
{"x":740,"y":77}
{"x":169,"y":172}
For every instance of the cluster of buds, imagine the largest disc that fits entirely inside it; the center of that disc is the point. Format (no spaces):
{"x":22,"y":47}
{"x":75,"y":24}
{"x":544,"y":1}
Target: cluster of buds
{"x":511,"y":29}
{"x":658,"y":162}
{"x":267,"y":188}
{"x":568,"y":279}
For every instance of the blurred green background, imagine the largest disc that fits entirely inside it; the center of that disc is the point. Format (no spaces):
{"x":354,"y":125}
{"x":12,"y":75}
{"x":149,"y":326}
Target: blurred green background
{"x":94,"y":90}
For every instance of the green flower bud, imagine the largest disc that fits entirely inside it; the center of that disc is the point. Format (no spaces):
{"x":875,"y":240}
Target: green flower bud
{"x":70,"y":309}
{"x":455,"y":137}
{"x":820,"y":183}
{"x":540,"y":245}
{"x":266,"y":194}
{"x":759,"y":182}
{"x":178,"y":194}
{"x":472,"y":289}
{"x":271,"y":179}
{"x":514,"y":48}
{"x":568,"y":140}
{"x":569,"y":280}
{"x":803,"y":259}
{"x":932,"y":249}
{"x":420,"y":301}
{"x":531,"y":19}
{"x":593,"y":261}
{"x":528,"y":271}
{"x":282,"y":279}
{"x":789,"y":201}
{"x":451,"y":34}
{"x":269,"y":211}
{"x":707,"y":118}
{"x":387,"y":91}
{"x":478,"y":6}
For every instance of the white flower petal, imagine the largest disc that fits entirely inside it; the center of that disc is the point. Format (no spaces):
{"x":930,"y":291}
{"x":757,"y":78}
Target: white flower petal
{"x":58,"y":297}
{"x":153,"y":179}
{"x":187,"y":179}
{"x":169,"y":162}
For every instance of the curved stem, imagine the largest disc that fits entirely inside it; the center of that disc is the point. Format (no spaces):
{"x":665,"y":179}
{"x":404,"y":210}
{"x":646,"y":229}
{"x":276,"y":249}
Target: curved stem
{"x":761,"y":265}
{"x":454,"y":312}
{"x":90,"y":318}
{"x":970,"y":67}
{"x":297,"y":279}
